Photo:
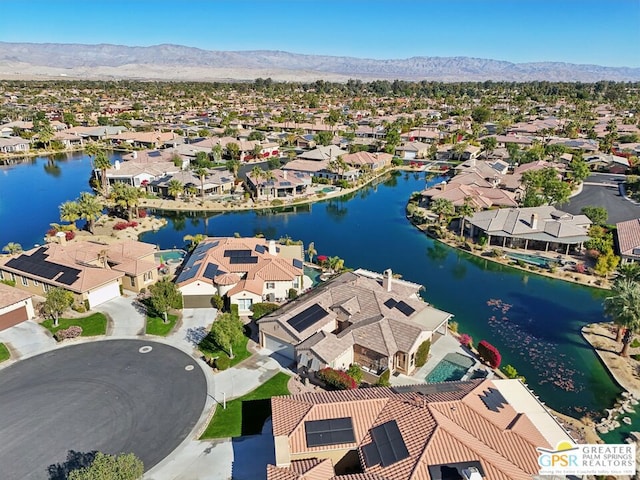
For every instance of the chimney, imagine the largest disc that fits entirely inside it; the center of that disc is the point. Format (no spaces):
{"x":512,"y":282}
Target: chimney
{"x":284,"y":174}
{"x":443,"y":186}
{"x":116,"y":164}
{"x":534,"y":221}
{"x":471,"y":473}
{"x":61,"y":238}
{"x":134,"y":154}
{"x":272,"y":248}
{"x":387,"y":275}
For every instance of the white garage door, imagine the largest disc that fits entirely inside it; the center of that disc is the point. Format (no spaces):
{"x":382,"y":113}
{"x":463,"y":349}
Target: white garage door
{"x":278,"y":346}
{"x":104,"y":294}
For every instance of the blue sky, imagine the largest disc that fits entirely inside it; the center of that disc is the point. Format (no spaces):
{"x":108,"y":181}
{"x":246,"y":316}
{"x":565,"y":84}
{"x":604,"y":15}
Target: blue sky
{"x":605,"y":32}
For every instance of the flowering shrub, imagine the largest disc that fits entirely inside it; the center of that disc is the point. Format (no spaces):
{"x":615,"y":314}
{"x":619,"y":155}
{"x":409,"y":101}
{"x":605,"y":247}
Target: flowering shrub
{"x":489,"y":354}
{"x":465,"y":340}
{"x":69,"y":235}
{"x":337,"y":379}
{"x":123,"y":225}
{"x":51,"y":232}
{"x":72,"y":332}
{"x":142,"y":213}
{"x":580,"y":268}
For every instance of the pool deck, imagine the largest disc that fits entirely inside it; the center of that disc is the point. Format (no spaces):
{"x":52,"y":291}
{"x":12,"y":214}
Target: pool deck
{"x":444,"y":345}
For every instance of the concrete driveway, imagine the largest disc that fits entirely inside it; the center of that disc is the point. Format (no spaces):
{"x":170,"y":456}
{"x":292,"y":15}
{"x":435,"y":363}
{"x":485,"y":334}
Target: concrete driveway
{"x":127,"y":318}
{"x":603,"y":190}
{"x":27,"y":339}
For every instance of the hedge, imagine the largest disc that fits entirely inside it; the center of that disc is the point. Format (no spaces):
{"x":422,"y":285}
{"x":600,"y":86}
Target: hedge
{"x":264,"y":308}
{"x":489,"y":354}
{"x":337,"y":379}
{"x":223,"y":362}
{"x":423,"y":353}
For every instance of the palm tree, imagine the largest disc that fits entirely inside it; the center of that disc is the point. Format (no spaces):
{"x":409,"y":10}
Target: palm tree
{"x":442,"y":207}
{"x":624,"y":307}
{"x":233,"y":166}
{"x":489,"y":144}
{"x":311,"y":251}
{"x":102,"y":163}
{"x":194,"y":240}
{"x":12,"y":248}
{"x":175,"y":188}
{"x":201,"y":173}
{"x":126,"y":197}
{"x":90,"y":209}
{"x":465,"y":210}
{"x":216,"y":152}
{"x":70,"y":212}
{"x":256,"y":174}
{"x":46,"y":134}
{"x":268,"y":177}
{"x":630,"y":271}
{"x":257,"y":151}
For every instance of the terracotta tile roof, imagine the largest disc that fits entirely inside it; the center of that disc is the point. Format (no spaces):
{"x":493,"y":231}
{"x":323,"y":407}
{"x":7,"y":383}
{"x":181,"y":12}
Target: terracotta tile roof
{"x":629,"y":237}
{"x":11,"y":295}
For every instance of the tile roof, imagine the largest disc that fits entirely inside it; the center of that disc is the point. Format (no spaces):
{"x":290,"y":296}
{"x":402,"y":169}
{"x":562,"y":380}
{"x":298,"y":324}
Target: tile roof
{"x":11,"y":295}
{"x":629,"y":237}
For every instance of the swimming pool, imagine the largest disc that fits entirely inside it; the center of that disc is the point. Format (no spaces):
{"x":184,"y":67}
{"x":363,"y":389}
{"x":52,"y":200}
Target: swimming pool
{"x":532,"y":259}
{"x":452,"y":367}
{"x":313,"y":274}
{"x":170,"y":256}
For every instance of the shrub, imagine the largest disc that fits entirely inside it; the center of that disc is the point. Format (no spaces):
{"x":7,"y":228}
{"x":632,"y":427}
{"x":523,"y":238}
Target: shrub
{"x":123,"y":225}
{"x":223,"y":362}
{"x":465,"y":340}
{"x":636,"y":357}
{"x":453,"y":326}
{"x":510,"y":371}
{"x":78,"y":307}
{"x":261,"y":309}
{"x":218,"y":302}
{"x":489,"y":354}
{"x":276,"y":202}
{"x":383,"y":381}
{"x":293,"y":294}
{"x":423,"y":353}
{"x":72,"y":332}
{"x":355,"y":372}
{"x":337,"y":379}
{"x":635,"y":343}
{"x":69,"y":235}
{"x":142,"y":213}
{"x":11,"y":283}
{"x":234,"y":311}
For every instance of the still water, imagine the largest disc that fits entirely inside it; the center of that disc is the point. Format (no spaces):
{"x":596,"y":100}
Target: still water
{"x":534,"y":321}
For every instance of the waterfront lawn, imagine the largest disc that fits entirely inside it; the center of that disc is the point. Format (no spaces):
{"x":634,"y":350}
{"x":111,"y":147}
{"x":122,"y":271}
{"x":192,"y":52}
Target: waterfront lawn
{"x":93,"y":325}
{"x":4,"y":353}
{"x":210,"y":349}
{"x":156,"y":325}
{"x":246,"y":415}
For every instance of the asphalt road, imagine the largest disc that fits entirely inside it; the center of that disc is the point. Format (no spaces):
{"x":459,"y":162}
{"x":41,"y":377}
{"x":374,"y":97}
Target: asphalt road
{"x":602,"y":190}
{"x":58,"y":407}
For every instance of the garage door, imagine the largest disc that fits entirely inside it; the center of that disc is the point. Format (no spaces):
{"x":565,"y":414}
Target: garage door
{"x":196,"y":301}
{"x":104,"y":294}
{"x":278,"y":346}
{"x":13,"y":317}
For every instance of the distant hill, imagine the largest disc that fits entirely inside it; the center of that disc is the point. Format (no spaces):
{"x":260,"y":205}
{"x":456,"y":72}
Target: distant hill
{"x":176,"y":62}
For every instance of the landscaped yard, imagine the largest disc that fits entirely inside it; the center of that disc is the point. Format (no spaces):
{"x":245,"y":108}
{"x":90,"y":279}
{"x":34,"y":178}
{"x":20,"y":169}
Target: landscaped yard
{"x":246,"y":415}
{"x":240,"y":352}
{"x":4,"y":353}
{"x":156,"y":325}
{"x":94,"y":324}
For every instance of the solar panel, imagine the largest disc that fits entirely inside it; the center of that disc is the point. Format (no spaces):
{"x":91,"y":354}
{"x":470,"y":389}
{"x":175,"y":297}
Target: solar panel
{"x":285,"y":184}
{"x":307,"y":317}
{"x":297,"y":263}
{"x":239,"y":260}
{"x":371,"y":455}
{"x":69,"y":277}
{"x":493,"y":399}
{"x":389,"y":443}
{"x":260,"y":249}
{"x":38,"y":266}
{"x":390,"y":303}
{"x":332,"y":431}
{"x":211,"y":271}
{"x":237,"y":253}
{"x":187,"y":274}
{"x":405,"y":308}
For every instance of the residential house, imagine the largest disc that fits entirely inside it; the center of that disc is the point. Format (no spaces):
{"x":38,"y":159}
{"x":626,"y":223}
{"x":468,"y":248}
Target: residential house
{"x":318,"y":163}
{"x":473,"y":430}
{"x":151,"y":140}
{"x":628,"y":236}
{"x":541,"y":228}
{"x":413,"y":150}
{"x":372,"y":162}
{"x":215,"y":182}
{"x":608,"y":162}
{"x":281,"y":184}
{"x":92,"y":272}
{"x":96,"y":133}
{"x":362,"y":317}
{"x":477,"y":192}
{"x":14,"y":145}
{"x":244,"y":270}
{"x":16,"y":306}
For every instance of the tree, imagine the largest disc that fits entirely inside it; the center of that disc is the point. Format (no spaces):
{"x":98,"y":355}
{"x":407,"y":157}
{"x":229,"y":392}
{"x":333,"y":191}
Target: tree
{"x":102,"y":163}
{"x":465,"y":210}
{"x":481,"y":114}
{"x":90,"y":209}
{"x":323,"y":138}
{"x":227,"y":331}
{"x":256,"y":135}
{"x":57,"y":301}
{"x":164,"y":296}
{"x":338,"y":166}
{"x":606,"y":263}
{"x":70,"y":212}
{"x":194,"y":240}
{"x":630,"y":271}
{"x":489,"y":144}
{"x":623,"y":306}
{"x":458,"y":149}
{"x":216,"y":152}
{"x":233,"y":166}
{"x":544,"y":187}
{"x":598,"y":215}
{"x":311,"y":251}
{"x":257,"y":151}
{"x":12,"y":248}
{"x":201,"y":173}
{"x":127,"y":197}
{"x":256,"y":174}
{"x":579,"y":169}
{"x":268,"y":177}
{"x":514,"y":152}
{"x":233,"y":150}
{"x":442,"y":207}
{"x":46,"y":134}
{"x":110,"y":467}
{"x":175,"y":188}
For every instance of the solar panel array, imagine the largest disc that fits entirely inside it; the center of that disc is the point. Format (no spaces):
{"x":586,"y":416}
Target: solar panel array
{"x":241,"y":260}
{"x":390,"y":303}
{"x":237,"y":253}
{"x":297,"y":263}
{"x":332,"y":431}
{"x":187,"y":274}
{"x":428,"y":388}
{"x":307,"y":317}
{"x":493,"y":399}
{"x":37,"y":265}
{"x":210,"y":271}
{"x":388,"y":446}
{"x":405,"y":308}
{"x":260,"y":249}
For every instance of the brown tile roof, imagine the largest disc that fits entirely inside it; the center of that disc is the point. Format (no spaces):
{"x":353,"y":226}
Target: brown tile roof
{"x":11,"y":295}
{"x":629,"y":236}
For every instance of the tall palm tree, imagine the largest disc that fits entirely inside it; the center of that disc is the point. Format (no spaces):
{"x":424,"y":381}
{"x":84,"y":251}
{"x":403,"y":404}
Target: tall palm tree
{"x":442,"y":207}
{"x":126,"y":197}
{"x":90,"y":209}
{"x":311,"y":251}
{"x":175,"y":188}
{"x":70,"y":212}
{"x":623,"y":306}
{"x":630,"y":271}
{"x":256,"y":174}
{"x":201,"y":173}
{"x":12,"y":248}
{"x":194,"y":240}
{"x":465,"y":210}
{"x":102,"y":163}
{"x":268,"y":177}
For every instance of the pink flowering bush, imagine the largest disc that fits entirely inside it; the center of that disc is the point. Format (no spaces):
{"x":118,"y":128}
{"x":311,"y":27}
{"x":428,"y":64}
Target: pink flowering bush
{"x":123,"y":225}
{"x":489,"y":354}
{"x":72,"y":332}
{"x":337,"y":379}
{"x":465,"y":340}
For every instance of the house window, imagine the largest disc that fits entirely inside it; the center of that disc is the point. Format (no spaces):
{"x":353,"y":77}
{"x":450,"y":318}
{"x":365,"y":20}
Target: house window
{"x":36,"y":283}
{"x":244,"y":304}
{"x":12,"y":277}
{"x":45,"y":287}
{"x":25,"y":281}
{"x":133,"y":281}
{"x":295,"y":282}
{"x":271,"y":285}
{"x":413,"y":359}
{"x":148,"y":276}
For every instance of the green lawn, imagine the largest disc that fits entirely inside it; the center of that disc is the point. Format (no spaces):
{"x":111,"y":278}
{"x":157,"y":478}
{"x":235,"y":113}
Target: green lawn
{"x":94,"y":324}
{"x":156,"y":325}
{"x":246,"y":415}
{"x":4,"y":353}
{"x":240,"y":352}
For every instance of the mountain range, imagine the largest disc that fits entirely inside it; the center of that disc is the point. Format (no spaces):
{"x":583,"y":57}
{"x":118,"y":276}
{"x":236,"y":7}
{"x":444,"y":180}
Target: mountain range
{"x":181,"y":63}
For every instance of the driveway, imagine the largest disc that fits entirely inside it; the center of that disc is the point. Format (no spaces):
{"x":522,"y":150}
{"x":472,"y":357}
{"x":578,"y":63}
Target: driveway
{"x":27,"y":339}
{"x":127,"y":319}
{"x":194,"y":326}
{"x":108,"y":396}
{"x":603,"y":190}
